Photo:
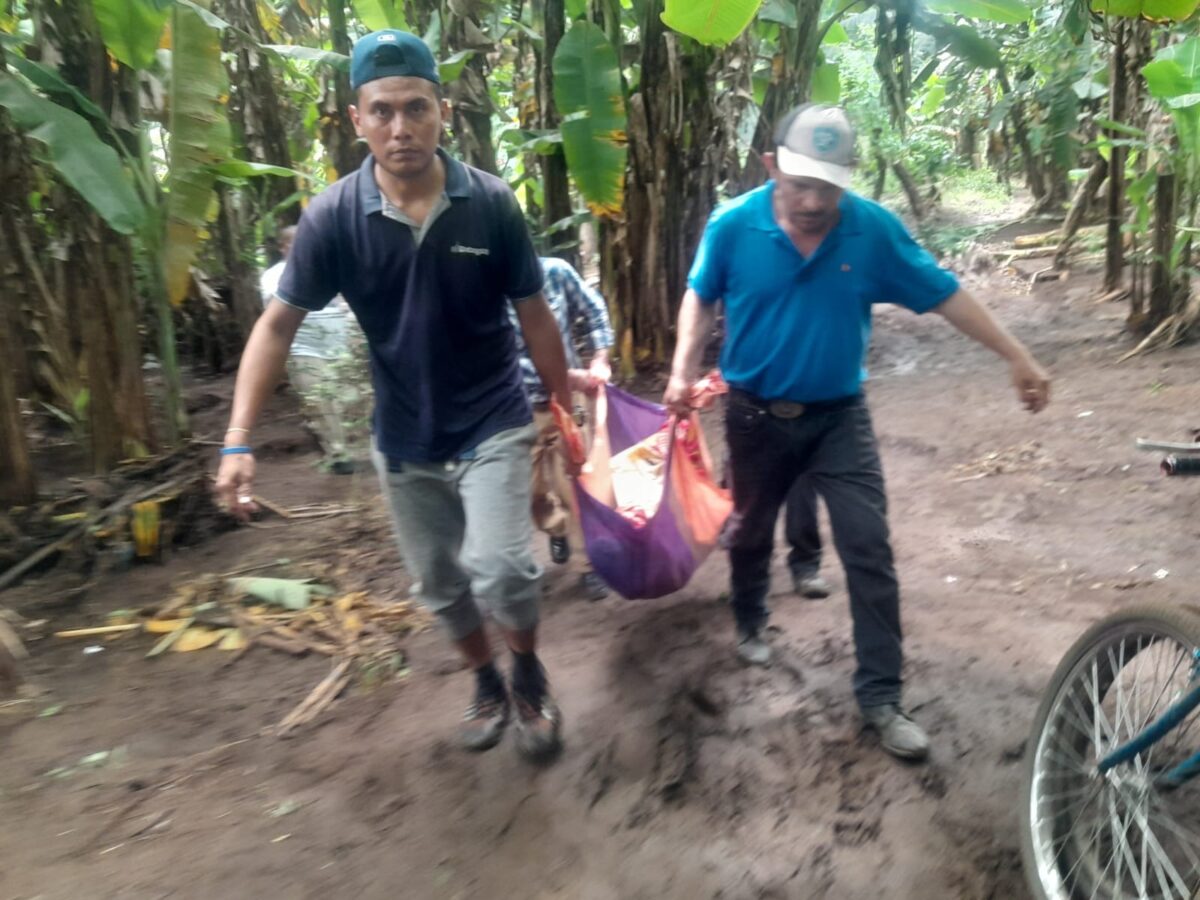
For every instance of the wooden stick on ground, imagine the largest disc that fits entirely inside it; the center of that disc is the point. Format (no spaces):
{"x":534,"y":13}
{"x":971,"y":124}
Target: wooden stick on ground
{"x":319,"y":698}
{"x":99,"y":629}
{"x":271,"y":507}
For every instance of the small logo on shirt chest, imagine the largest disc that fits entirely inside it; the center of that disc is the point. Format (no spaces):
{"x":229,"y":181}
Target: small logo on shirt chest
{"x":845,"y":267}
{"x":470,"y":251}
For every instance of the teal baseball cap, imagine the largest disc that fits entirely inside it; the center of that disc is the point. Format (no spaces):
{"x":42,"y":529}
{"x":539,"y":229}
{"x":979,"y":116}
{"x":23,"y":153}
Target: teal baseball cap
{"x":382,"y":54}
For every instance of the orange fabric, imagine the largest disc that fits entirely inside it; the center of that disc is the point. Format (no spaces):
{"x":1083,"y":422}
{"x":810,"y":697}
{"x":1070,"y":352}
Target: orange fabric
{"x":705,"y":506}
{"x":572,"y":437}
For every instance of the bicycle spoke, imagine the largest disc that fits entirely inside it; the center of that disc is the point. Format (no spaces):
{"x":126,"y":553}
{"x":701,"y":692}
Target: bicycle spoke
{"x":1160,"y":854}
{"x":1186,"y":838}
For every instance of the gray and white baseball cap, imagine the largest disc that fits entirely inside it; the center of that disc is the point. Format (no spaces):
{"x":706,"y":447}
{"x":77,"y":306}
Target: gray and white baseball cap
{"x":816,"y":141}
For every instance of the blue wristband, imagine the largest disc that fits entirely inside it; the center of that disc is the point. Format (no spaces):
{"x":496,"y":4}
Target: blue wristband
{"x":232,"y":451}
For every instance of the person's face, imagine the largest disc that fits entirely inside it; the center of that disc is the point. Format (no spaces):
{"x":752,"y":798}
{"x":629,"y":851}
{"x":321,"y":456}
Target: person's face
{"x":400,"y":118}
{"x":808,"y":205}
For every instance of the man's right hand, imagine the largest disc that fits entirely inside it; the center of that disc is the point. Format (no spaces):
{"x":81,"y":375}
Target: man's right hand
{"x":678,"y":395}
{"x":235,"y":485}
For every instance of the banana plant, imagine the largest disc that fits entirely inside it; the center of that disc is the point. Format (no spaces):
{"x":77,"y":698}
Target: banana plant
{"x":591,"y":99}
{"x":75,"y":139}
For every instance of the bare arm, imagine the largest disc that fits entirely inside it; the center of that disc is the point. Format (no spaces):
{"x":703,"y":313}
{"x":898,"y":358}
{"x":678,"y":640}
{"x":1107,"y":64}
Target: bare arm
{"x":544,"y":345}
{"x":974,"y":320}
{"x":259,"y":372}
{"x":600,"y":367}
{"x":695,"y":324}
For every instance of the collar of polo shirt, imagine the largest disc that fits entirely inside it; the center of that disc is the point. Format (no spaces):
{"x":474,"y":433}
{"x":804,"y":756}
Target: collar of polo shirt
{"x":457,"y":182}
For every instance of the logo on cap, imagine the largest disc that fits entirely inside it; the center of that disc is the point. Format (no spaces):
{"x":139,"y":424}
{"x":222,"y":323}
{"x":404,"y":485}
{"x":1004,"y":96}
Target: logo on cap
{"x":825,"y":139}
{"x":387,"y":37}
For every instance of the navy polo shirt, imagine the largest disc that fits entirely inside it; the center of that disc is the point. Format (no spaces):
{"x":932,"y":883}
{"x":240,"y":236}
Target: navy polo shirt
{"x":432,"y":303}
{"x":797,"y":328}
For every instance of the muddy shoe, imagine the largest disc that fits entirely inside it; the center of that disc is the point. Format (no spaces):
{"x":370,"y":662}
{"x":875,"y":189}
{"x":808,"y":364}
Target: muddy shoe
{"x":899,"y":735}
{"x":560,"y":550}
{"x":484,"y":722}
{"x":591,"y":587}
{"x":752,"y":649}
{"x":539,"y":725}
{"x":811,"y":587}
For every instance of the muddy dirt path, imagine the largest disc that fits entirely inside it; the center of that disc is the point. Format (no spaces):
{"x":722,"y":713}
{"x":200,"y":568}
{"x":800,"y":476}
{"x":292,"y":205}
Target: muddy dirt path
{"x":685,"y":776}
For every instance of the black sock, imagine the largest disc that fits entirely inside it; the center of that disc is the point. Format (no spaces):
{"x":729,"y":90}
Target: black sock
{"x":488,"y":682}
{"x":528,"y":678}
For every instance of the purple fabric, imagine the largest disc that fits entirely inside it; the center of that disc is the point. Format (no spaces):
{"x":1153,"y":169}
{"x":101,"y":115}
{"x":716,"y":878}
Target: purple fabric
{"x":631,"y":419}
{"x":638,"y":563}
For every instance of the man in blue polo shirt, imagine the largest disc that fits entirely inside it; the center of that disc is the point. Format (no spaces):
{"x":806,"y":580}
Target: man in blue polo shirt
{"x":798,"y":264}
{"x":428,"y":253}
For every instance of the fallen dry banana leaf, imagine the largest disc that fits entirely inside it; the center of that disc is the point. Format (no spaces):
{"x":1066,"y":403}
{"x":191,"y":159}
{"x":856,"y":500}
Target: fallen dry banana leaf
{"x":168,"y":640}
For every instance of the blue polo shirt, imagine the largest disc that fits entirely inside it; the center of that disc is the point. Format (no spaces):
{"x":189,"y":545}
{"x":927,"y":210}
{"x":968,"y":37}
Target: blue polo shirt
{"x":431,"y":300}
{"x":797,"y":328}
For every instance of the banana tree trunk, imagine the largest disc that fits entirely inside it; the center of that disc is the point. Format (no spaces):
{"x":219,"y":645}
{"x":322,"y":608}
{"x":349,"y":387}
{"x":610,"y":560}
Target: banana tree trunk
{"x":1118,"y":94}
{"x":1033,"y":169}
{"x":1079,"y":208}
{"x":258,"y":112}
{"x":677,"y":143}
{"x":337,"y":131}
{"x":241,"y":274}
{"x":794,"y":64}
{"x":556,"y":187}
{"x":95,"y":284}
{"x":1163,"y":283}
{"x":18,"y":486}
{"x":911,"y":189}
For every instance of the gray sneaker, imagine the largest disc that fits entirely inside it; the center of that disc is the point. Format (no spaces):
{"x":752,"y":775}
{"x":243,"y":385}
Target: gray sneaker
{"x":484,"y":722}
{"x":900,"y":735}
{"x":753,"y":650}
{"x":811,"y":587}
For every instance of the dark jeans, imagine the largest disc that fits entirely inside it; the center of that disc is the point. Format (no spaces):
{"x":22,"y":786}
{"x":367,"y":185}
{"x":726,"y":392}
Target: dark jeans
{"x":836,"y":451}
{"x":800,"y":526}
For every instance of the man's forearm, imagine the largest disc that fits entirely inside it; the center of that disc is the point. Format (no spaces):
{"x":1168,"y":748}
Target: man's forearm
{"x":262,"y":365}
{"x":974,"y":320}
{"x":694,"y":326}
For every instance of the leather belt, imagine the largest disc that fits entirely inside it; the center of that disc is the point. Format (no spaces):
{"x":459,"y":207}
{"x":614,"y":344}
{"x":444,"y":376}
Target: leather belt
{"x":785,"y":409}
{"x":790,"y":409}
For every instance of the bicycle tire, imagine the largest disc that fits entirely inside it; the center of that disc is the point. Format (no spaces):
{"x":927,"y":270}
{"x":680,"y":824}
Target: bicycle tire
{"x":1057,"y":874}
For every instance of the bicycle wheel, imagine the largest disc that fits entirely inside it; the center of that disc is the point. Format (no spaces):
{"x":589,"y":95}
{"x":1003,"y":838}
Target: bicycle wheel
{"x":1116,"y":835}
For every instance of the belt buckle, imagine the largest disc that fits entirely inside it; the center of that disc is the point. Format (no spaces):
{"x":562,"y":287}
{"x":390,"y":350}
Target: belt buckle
{"x":785,"y":409}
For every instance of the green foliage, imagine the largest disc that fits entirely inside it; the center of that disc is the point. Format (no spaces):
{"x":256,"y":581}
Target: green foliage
{"x":710,"y":21}
{"x":1006,"y":12}
{"x":380,"y":14}
{"x":1173,"y":78}
{"x":1155,"y":10}
{"x":826,"y":83}
{"x":64,"y":141}
{"x":131,"y":28}
{"x":591,"y":100}
{"x":339,"y":61}
{"x":200,"y":141}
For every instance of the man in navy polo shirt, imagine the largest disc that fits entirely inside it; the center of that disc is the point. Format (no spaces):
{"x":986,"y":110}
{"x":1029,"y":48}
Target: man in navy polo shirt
{"x":798,"y":264}
{"x":428,"y":253}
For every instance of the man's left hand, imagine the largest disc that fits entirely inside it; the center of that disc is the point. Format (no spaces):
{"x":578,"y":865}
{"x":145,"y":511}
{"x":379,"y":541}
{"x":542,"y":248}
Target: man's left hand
{"x":1032,"y":384}
{"x":601,"y":371}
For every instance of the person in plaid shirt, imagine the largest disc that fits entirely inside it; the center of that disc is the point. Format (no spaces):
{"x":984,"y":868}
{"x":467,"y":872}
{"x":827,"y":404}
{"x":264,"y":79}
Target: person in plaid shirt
{"x":579,"y":310}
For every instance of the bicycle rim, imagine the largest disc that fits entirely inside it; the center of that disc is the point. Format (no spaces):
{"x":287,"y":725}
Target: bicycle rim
{"x":1116,"y":836}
